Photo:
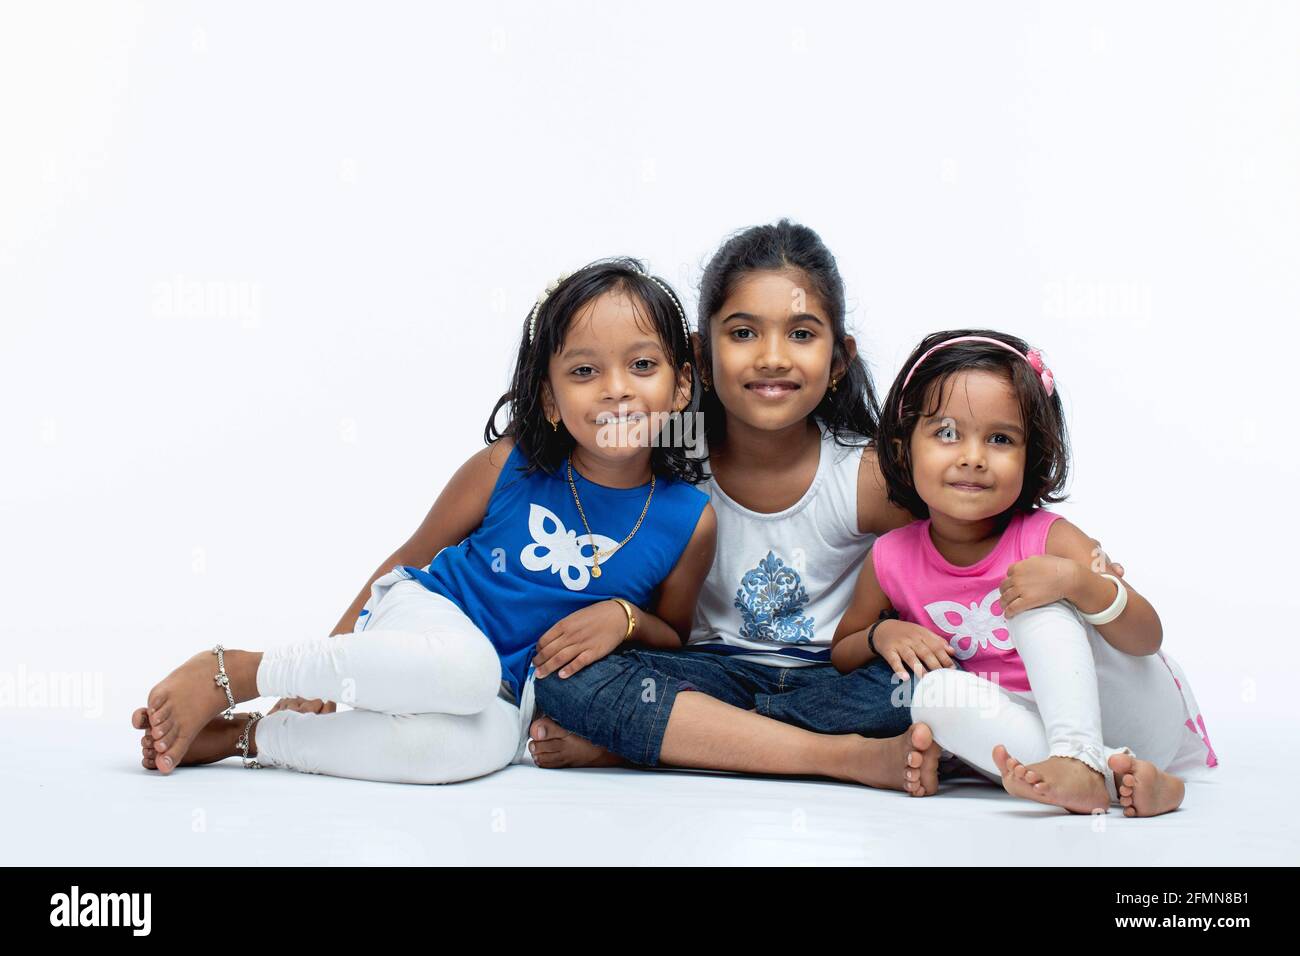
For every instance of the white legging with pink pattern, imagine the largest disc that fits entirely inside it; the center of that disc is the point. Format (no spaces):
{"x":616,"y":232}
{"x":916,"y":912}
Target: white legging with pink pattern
{"x":1088,"y":701}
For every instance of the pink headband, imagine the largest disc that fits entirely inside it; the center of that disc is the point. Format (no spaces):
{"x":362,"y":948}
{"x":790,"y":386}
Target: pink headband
{"x":1034,"y":358}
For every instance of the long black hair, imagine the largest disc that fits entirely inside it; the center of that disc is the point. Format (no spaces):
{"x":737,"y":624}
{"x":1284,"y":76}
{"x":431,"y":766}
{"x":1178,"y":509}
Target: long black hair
{"x":546,"y":448}
{"x":853,"y":409}
{"x":1047,"y":444}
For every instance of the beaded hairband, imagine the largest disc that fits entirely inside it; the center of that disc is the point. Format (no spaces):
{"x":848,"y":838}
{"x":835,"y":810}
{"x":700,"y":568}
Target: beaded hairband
{"x":550,"y":289}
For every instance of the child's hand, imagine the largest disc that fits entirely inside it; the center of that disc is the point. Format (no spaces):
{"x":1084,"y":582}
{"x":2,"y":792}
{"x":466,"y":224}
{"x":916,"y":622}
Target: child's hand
{"x":1038,"y":581}
{"x":902,"y":643}
{"x":1101,"y":562}
{"x":304,"y":706}
{"x":584,"y":636}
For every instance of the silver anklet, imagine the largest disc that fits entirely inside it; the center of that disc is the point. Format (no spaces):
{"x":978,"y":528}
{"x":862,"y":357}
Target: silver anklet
{"x":223,"y":681}
{"x":249,"y":764}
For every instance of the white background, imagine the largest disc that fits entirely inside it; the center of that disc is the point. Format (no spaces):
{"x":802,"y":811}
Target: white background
{"x":369,"y":196}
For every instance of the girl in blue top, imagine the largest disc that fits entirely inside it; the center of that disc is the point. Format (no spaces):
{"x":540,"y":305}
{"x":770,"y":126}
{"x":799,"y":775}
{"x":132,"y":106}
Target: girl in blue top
{"x":576,"y":530}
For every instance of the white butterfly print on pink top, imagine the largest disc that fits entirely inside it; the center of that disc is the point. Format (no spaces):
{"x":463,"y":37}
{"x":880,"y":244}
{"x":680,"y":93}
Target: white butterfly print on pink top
{"x":974,"y":627}
{"x":560,"y":550}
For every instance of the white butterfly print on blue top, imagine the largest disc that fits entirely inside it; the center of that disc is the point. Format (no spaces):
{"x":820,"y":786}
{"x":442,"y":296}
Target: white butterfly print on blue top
{"x":560,"y":550}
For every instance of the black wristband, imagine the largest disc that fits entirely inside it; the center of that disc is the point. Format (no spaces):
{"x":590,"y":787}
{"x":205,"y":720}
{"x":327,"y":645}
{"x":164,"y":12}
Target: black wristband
{"x":871,"y":635}
{"x":886,"y":615}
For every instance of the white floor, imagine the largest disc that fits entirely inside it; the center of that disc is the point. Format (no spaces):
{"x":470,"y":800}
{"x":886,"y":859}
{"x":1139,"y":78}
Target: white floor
{"x":73,"y":793}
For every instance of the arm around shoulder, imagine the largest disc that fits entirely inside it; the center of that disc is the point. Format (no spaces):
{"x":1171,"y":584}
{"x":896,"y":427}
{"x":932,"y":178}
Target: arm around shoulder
{"x":876,"y":513}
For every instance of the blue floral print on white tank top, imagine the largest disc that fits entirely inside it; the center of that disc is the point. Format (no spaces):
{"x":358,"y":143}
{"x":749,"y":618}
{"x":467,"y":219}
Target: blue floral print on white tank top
{"x":782,"y":581}
{"x":528,"y":565}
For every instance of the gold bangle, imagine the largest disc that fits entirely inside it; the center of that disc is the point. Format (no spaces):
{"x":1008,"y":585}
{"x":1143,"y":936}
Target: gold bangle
{"x":631,"y":618}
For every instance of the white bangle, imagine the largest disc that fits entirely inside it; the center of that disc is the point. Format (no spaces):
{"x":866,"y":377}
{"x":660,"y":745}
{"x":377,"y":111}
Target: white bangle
{"x":1116,"y":607}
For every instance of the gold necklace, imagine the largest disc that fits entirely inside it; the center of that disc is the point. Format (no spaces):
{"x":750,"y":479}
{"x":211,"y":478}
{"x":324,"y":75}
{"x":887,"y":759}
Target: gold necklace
{"x":595,"y":551}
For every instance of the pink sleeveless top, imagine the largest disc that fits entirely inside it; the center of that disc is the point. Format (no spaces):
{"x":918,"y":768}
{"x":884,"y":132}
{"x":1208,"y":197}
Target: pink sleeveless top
{"x":961,"y":604}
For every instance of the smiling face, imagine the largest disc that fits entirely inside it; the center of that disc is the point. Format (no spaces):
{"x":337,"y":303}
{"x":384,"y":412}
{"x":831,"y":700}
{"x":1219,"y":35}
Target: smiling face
{"x":968,"y":459}
{"x":612,"y":363}
{"x":772,"y":342}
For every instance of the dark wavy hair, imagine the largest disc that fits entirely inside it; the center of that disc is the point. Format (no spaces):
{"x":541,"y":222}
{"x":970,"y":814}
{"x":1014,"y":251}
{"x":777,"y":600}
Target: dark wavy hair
{"x":546,"y":448}
{"x":853,"y":409}
{"x":1047,"y":446}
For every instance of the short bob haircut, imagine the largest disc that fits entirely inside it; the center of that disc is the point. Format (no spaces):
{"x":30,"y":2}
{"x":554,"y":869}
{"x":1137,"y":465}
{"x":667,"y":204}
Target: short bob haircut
{"x":658,"y":306}
{"x":1047,"y":446}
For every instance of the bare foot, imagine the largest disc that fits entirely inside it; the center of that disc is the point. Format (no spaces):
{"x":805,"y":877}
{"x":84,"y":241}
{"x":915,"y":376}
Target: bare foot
{"x":1144,"y":790}
{"x":552,"y":746}
{"x":1059,"y":781}
{"x":183,"y":703}
{"x":908,"y":762}
{"x":216,"y":741}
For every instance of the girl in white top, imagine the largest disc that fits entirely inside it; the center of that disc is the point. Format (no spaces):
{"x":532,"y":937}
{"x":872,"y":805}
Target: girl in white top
{"x":782,"y":581}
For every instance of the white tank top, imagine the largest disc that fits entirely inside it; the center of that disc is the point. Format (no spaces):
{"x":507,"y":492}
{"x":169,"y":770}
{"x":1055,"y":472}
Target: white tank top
{"x":781,"y":582}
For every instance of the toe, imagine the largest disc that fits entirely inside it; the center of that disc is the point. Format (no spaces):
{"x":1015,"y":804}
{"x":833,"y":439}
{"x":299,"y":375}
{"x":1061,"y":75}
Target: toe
{"x":543,"y":728}
{"x":168,"y":739}
{"x":1000,"y":756}
{"x":921,"y":736}
{"x":1120,"y":763}
{"x":159,"y":730}
{"x":550,"y":760}
{"x":160,"y":717}
{"x":140,"y":718}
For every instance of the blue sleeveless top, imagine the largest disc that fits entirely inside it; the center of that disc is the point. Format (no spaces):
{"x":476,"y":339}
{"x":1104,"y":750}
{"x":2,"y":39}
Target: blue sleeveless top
{"x":529,"y":563}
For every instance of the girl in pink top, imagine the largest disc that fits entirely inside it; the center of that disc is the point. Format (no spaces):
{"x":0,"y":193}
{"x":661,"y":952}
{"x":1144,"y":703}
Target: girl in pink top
{"x":1037,"y":665}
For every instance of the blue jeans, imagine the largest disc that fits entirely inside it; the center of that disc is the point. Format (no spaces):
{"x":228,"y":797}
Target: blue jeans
{"x":622,"y":702}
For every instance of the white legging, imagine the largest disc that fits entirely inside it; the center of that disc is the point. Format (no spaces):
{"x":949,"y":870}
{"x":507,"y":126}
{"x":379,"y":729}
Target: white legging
{"x":1089,"y":701}
{"x":424,"y":682}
